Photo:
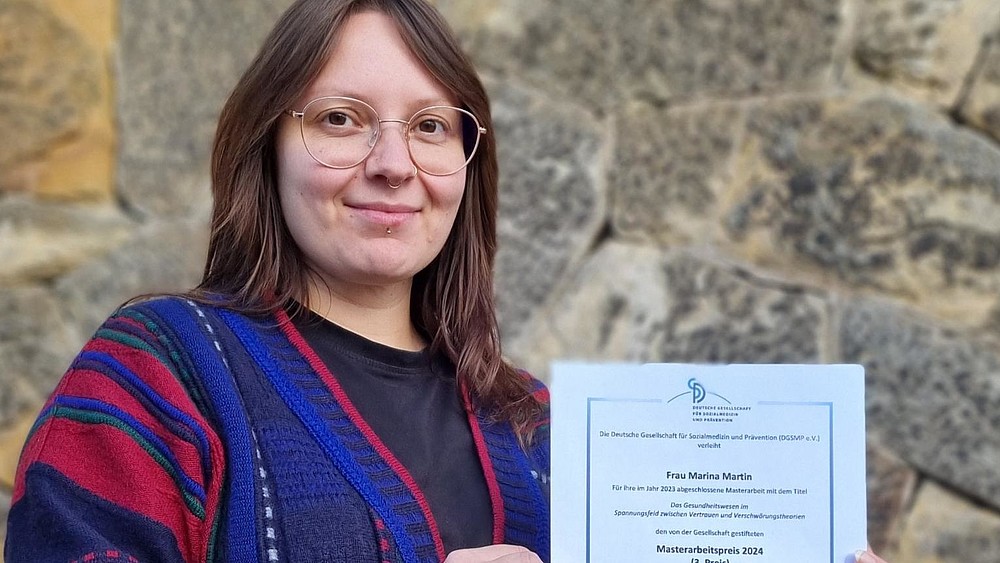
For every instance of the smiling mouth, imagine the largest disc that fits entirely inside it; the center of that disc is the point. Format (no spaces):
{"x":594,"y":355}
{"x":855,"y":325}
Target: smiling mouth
{"x":387,"y":216}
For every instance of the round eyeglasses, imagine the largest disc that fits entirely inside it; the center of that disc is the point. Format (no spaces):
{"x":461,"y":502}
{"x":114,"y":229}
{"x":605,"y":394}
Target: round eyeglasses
{"x":340,"y":132}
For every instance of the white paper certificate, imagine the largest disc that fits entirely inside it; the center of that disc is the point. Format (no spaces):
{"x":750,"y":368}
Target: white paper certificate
{"x":707,"y":464}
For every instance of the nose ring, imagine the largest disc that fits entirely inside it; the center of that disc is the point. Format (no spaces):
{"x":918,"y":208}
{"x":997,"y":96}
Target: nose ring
{"x":396,"y":186}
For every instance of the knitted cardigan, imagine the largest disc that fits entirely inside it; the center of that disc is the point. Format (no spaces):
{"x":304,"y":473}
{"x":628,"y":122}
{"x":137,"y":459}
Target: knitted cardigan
{"x":184,"y":432}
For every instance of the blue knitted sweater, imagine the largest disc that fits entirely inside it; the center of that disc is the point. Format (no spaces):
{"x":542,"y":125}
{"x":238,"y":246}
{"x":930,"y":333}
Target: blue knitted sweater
{"x":194,"y":433}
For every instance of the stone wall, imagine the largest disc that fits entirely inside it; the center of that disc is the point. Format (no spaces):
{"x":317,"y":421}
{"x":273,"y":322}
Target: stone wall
{"x":683,"y":180}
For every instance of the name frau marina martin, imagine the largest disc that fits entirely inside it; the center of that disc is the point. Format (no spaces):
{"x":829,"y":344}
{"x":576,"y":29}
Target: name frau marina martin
{"x":673,"y":475}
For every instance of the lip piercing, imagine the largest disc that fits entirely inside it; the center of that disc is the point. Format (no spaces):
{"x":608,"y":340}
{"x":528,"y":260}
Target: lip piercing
{"x":388,"y":230}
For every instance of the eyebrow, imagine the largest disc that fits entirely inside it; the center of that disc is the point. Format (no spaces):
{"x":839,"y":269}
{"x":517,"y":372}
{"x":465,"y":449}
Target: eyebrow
{"x":416,"y":104}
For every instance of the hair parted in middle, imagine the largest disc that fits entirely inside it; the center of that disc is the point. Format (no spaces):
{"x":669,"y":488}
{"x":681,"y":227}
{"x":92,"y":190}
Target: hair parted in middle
{"x":253,"y":263}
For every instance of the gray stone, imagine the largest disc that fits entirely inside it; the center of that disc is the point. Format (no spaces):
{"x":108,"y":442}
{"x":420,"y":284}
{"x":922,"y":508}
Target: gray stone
{"x":5,"y":499}
{"x":36,"y":346}
{"x":634,"y":303}
{"x":48,"y":80}
{"x":931,"y":395}
{"x":981,"y":107}
{"x":555,"y":46}
{"x":670,"y":170}
{"x":178,"y":61}
{"x":688,"y":49}
{"x":726,"y":315}
{"x":891,"y":486}
{"x":610,"y":52}
{"x":551,"y":198}
{"x":612,"y":309}
{"x":924,"y":47}
{"x":161,"y":258}
{"x":944,"y":528}
{"x":879,"y":194}
{"x":39,"y":241}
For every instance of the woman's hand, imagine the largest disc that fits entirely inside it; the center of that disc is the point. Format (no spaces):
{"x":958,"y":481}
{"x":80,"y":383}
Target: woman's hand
{"x":868,"y":557}
{"x":501,"y":553}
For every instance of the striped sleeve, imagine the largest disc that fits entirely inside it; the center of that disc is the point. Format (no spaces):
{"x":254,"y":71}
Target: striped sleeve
{"x":120,"y":464}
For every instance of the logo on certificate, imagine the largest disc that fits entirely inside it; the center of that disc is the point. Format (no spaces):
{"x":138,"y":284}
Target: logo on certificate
{"x":708,"y":406}
{"x":698,"y":393}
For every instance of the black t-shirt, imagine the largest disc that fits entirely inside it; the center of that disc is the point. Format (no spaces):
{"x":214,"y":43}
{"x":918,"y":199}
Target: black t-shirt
{"x":409,"y":399}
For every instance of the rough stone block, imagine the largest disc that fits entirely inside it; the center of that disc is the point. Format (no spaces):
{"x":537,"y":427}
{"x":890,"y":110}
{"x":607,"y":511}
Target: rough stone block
{"x":722,"y":314}
{"x":670,"y":170}
{"x":5,"y":498}
{"x":635,"y":303}
{"x":981,"y":107}
{"x":891,"y":484}
{"x":612,"y":309}
{"x":879,"y":194}
{"x":931,"y":395}
{"x":609,"y":52}
{"x":40,"y":241}
{"x":81,"y":166}
{"x":555,"y":46}
{"x":161,"y":257}
{"x":50,"y":78}
{"x":944,"y":528}
{"x":36,"y":347}
{"x":923,"y":47}
{"x":551,"y":197}
{"x":178,"y":61}
{"x":11,"y":441}
{"x":686,"y":49}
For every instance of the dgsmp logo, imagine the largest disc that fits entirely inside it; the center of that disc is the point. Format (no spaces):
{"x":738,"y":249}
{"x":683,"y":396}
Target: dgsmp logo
{"x":698,"y":393}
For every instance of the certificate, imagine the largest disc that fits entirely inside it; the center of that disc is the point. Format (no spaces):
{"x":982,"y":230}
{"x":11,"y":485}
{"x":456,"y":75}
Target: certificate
{"x":672,"y":463}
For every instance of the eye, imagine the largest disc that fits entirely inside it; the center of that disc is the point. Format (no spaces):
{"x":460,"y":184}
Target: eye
{"x":431,"y":126}
{"x":337,"y":118}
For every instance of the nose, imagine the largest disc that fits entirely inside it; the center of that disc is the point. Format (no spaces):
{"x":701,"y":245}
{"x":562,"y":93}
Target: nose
{"x":390,"y":157}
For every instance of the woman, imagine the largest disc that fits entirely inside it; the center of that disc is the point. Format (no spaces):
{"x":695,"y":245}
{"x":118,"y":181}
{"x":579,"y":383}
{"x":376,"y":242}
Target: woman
{"x":333,"y":390}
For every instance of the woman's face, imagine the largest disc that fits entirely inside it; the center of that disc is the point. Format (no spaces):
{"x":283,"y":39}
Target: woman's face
{"x":351,"y":226}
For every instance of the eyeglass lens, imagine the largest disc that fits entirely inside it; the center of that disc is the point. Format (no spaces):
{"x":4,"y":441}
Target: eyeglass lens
{"x":341,"y":132}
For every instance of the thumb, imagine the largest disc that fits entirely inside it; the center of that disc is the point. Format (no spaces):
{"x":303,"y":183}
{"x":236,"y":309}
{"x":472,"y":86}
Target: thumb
{"x":866,"y":557}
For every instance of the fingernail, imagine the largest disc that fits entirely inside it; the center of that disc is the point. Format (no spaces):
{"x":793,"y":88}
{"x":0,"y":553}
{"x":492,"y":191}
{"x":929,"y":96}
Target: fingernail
{"x":858,"y":555}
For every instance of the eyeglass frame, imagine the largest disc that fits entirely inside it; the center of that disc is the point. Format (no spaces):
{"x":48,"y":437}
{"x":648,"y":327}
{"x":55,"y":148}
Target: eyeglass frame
{"x":300,"y":115}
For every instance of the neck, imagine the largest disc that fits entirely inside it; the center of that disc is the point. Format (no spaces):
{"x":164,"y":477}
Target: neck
{"x":379,"y":313}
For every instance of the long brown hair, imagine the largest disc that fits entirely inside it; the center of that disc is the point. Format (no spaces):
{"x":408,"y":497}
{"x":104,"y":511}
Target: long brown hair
{"x":253,"y":261}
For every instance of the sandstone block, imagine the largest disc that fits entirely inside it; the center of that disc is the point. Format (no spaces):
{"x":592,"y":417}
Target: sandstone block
{"x":160,"y":257}
{"x":81,"y":166}
{"x":923,"y":47}
{"x":11,"y":441}
{"x":635,"y":303}
{"x":670,"y":171}
{"x":5,"y":499}
{"x":551,"y":197}
{"x":610,"y":52}
{"x":981,"y":107}
{"x":931,"y":395}
{"x":945,"y":528}
{"x":612,"y":309}
{"x":51,"y":80}
{"x":36,"y":346}
{"x":879,"y":194}
{"x":178,"y":62}
{"x":40,"y":241}
{"x":891,"y":485}
{"x":555,"y":46}
{"x":683,"y":49}
{"x":720,"y":314}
